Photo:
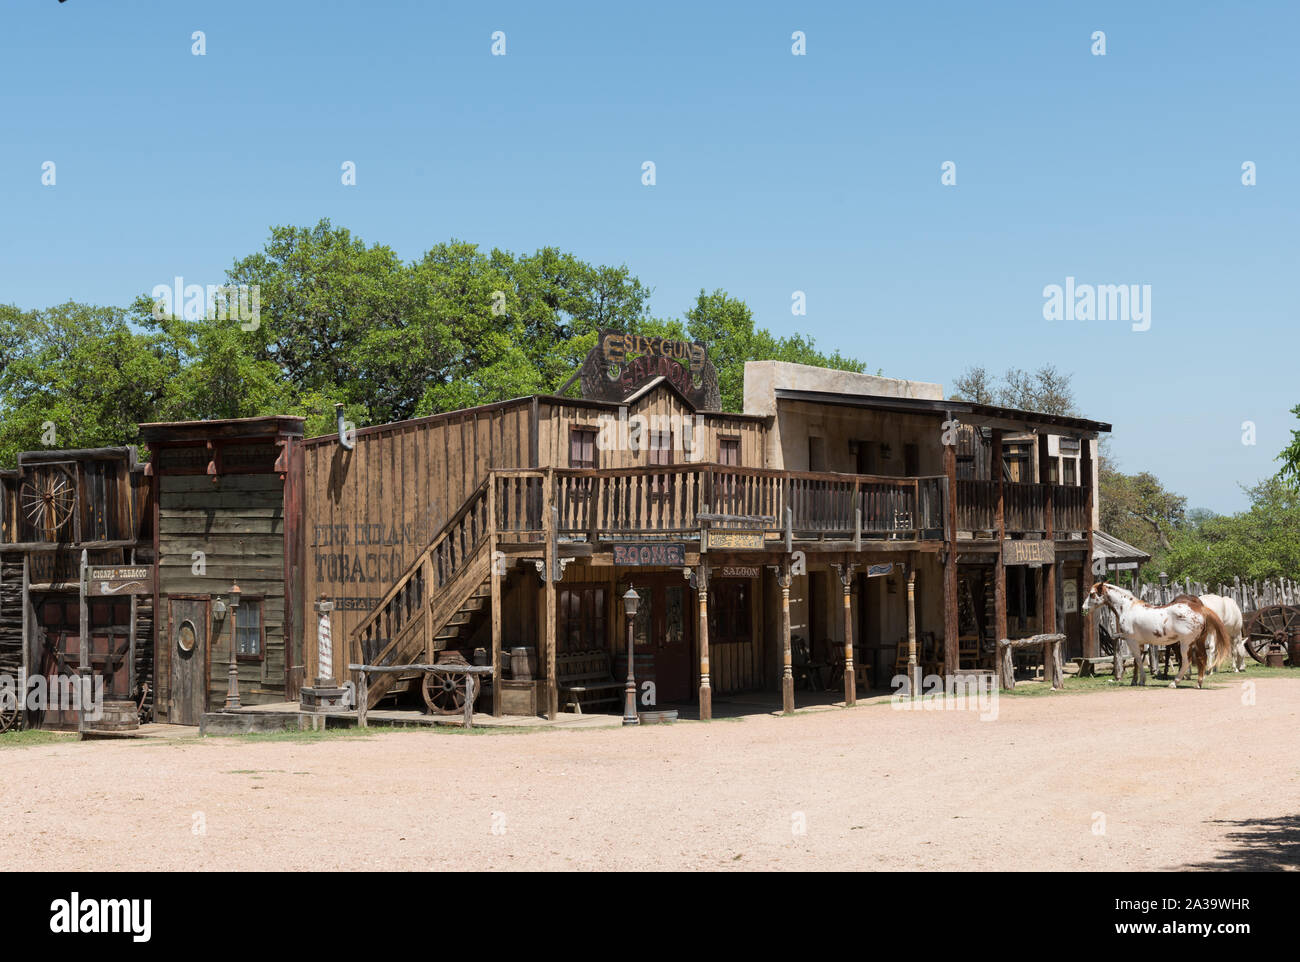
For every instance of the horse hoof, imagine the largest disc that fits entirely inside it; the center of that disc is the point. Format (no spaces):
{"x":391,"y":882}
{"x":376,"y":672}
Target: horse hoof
{"x":1173,"y":684}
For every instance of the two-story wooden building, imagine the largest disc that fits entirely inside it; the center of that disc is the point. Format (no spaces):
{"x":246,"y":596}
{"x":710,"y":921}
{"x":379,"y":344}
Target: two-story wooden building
{"x":834,"y":505}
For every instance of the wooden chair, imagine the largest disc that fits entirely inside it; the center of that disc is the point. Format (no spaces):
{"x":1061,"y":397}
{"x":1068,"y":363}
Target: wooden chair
{"x":584,"y":677}
{"x":968,"y":651}
{"x":931,"y":654}
{"x":805,"y":669}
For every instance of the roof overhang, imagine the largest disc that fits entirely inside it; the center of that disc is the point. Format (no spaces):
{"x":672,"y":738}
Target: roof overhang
{"x":986,"y":415}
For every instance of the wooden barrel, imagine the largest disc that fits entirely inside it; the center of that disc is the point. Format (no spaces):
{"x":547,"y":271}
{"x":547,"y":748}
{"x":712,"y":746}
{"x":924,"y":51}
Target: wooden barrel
{"x":116,"y":716}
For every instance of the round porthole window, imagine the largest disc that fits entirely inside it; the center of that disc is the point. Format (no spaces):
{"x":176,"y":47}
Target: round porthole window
{"x":186,"y":636}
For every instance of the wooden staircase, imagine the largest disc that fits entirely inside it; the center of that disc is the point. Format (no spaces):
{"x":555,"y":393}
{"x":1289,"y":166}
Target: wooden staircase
{"x":437,"y":602}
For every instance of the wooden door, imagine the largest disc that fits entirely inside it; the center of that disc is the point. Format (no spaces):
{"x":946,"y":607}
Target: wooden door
{"x":672,"y":643}
{"x":188,"y":625}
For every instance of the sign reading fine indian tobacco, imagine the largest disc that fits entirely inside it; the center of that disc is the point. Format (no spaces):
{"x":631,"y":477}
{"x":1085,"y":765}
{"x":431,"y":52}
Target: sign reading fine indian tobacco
{"x":128,"y":580}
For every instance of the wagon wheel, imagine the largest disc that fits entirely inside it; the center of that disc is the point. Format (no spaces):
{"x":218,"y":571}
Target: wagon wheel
{"x":8,"y":710}
{"x":1275,"y":624}
{"x":48,"y":499}
{"x":444,"y":692}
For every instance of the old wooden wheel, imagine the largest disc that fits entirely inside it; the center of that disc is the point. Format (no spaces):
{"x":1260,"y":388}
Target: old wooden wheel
{"x":1276,"y":624}
{"x":445,"y":691}
{"x":8,"y":710}
{"x":47,"y":500}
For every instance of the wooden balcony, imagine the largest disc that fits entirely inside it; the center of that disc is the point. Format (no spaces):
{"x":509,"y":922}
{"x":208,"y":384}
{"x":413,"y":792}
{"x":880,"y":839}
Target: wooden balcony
{"x":668,"y":502}
{"x":1024,"y":507}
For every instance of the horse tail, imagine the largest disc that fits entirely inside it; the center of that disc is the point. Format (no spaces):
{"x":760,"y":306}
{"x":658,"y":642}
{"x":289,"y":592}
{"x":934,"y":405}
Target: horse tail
{"x":1223,"y":646}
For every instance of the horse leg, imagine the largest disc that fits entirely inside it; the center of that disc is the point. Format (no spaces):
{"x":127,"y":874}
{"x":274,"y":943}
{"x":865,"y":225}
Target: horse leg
{"x":1139,"y":664}
{"x":1184,"y":664}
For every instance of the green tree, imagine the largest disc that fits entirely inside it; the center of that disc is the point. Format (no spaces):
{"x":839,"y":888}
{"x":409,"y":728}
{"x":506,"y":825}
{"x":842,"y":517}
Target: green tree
{"x":725,"y":326}
{"x":80,"y":368}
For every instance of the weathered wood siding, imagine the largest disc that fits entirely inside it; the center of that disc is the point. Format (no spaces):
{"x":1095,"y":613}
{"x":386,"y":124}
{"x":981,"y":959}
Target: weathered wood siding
{"x":369,"y":512}
{"x":238,"y":522}
{"x":663,"y":410}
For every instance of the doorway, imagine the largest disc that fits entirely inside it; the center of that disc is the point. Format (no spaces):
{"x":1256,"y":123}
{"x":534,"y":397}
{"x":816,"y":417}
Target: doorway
{"x":188,"y":629}
{"x":662,"y":634}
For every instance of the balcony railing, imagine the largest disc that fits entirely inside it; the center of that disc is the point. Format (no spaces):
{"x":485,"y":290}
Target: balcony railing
{"x":668,"y":501}
{"x":1024,"y":507}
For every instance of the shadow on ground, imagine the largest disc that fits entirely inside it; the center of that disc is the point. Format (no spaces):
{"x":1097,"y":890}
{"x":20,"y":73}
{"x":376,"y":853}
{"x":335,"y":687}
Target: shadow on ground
{"x":1255,"y":845}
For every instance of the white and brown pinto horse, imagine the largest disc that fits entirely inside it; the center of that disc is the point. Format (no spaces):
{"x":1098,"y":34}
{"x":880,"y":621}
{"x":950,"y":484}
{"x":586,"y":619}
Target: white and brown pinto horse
{"x":1184,"y":622}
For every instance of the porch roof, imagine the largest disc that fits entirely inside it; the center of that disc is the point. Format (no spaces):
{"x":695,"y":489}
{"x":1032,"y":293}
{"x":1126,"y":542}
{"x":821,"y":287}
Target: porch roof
{"x":984,"y":414}
{"x":1116,"y":553}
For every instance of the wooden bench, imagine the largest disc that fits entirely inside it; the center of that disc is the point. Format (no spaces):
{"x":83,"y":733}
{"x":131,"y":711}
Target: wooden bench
{"x":586,"y":676}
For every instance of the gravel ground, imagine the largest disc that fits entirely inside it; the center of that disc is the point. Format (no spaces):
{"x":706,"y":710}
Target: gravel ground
{"x":1176,"y":779}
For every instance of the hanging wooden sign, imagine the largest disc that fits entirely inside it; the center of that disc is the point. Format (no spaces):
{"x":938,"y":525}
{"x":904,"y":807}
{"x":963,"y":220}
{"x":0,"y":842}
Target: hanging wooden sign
{"x":738,"y":571}
{"x":1028,"y":552}
{"x":669,"y":554}
{"x":125,"y":580}
{"x":620,"y":364}
{"x":725,"y":539}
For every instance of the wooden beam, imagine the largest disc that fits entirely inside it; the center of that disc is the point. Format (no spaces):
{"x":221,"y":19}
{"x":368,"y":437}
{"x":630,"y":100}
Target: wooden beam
{"x":498,"y":573}
{"x":784,"y":578}
{"x":1090,"y":645}
{"x":951,"y":652}
{"x":551,"y":612}
{"x":706,"y":688}
{"x":1047,"y":573}
{"x":999,"y":566}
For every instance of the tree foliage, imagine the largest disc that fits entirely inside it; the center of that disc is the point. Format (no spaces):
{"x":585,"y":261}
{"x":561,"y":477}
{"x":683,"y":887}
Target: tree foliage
{"x":1044,"y":391}
{"x":344,"y":321}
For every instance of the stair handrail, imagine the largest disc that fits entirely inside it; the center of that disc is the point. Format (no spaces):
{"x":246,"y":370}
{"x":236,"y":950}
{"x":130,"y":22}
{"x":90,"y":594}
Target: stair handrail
{"x":415,"y":565}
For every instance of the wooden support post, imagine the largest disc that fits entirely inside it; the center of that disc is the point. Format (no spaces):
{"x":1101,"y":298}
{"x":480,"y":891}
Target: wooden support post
{"x":1047,"y":573}
{"x":549,"y":519}
{"x":28,"y":623}
{"x":469,"y":699}
{"x":706,"y":689}
{"x":1090,"y":646}
{"x":783,"y":578}
{"x":913,"y":671}
{"x":497,"y":574}
{"x":951,"y":651}
{"x":363,"y":699}
{"x":850,"y":681}
{"x":130,"y":651}
{"x":83,"y":666}
{"x":996,"y":465}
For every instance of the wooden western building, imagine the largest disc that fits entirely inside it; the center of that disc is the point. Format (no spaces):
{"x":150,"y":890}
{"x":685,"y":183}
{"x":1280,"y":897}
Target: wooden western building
{"x":227,"y":503}
{"x":835,"y":505}
{"x":838,"y":527}
{"x":55,"y":506}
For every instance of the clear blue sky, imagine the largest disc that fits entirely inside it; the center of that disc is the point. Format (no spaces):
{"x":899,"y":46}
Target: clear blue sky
{"x":775,"y":173}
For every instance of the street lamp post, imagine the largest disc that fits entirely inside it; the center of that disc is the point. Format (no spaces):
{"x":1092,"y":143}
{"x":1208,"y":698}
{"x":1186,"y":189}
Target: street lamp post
{"x":232,"y":692}
{"x":631,"y":601}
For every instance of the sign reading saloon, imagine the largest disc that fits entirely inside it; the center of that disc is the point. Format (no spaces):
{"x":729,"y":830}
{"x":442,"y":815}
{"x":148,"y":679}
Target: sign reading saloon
{"x":621,"y":363}
{"x":1028,"y":552}
{"x":643,"y":555}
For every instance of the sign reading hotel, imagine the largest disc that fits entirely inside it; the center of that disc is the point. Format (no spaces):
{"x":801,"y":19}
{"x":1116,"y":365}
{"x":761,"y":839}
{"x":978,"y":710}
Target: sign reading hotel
{"x":130,"y":580}
{"x":671,"y":554}
{"x":1028,"y":552}
{"x":728,"y":540}
{"x":620,"y":364}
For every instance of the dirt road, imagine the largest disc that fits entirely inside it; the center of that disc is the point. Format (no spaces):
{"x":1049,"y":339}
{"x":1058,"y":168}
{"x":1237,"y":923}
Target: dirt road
{"x":1146,"y":779}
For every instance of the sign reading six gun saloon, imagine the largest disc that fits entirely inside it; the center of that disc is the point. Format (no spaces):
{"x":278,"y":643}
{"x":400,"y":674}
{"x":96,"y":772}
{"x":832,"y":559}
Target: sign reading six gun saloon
{"x":671,"y":554}
{"x":621,"y":363}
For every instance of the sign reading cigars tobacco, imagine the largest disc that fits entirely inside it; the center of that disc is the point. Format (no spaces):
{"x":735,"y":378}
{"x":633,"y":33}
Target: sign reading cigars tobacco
{"x":620,"y":364}
{"x":123,"y":580}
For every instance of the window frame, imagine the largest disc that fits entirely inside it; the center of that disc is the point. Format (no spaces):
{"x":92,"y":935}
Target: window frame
{"x":244,"y":600}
